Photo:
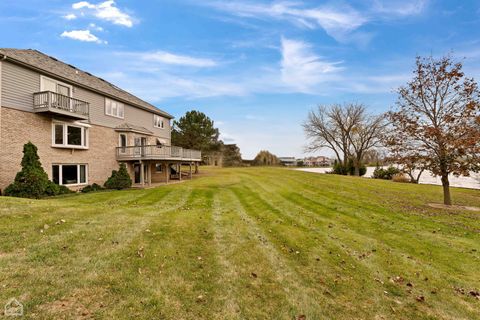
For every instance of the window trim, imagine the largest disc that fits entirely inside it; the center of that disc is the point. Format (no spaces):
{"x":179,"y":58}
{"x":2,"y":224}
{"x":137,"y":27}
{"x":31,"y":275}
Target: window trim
{"x":155,"y":117}
{"x":60,"y":173}
{"x":118,"y":104}
{"x":42,"y":85}
{"x":85,"y":140}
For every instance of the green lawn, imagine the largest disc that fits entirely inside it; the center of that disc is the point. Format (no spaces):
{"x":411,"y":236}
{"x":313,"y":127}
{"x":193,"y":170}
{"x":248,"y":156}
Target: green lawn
{"x":244,"y":244}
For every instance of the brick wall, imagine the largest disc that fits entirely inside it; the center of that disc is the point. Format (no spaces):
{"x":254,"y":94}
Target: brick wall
{"x":19,"y":127}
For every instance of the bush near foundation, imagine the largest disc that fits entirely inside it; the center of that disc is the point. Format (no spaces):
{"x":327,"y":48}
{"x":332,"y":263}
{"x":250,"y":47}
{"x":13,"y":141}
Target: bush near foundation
{"x":119,"y":179}
{"x":32,"y":181}
{"x":92,"y":188}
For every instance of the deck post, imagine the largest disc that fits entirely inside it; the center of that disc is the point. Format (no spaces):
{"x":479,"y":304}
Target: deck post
{"x":190,"y":170}
{"x":142,"y":174}
{"x":167,"y":171}
{"x":149,"y":172}
{"x":196,"y":167}
{"x":180,"y":171}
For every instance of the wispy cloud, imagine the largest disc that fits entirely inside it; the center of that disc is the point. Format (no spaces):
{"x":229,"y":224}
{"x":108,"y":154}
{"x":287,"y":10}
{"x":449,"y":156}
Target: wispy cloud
{"x":81,"y":35}
{"x":70,"y":16}
{"x":336,"y":21}
{"x":107,"y":11}
{"x":400,"y":7}
{"x":340,"y":20}
{"x":302,"y":69}
{"x":176,"y":59}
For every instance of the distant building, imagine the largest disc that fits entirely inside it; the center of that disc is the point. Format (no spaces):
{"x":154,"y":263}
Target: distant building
{"x":320,"y":161}
{"x":288,"y":161}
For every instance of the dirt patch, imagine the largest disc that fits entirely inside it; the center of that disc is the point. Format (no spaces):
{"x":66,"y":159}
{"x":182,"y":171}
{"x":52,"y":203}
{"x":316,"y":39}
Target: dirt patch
{"x":81,"y":304}
{"x":454,"y":207}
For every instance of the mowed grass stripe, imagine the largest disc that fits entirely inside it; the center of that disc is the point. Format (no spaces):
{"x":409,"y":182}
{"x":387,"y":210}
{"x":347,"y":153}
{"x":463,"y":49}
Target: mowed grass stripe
{"x":302,"y":298}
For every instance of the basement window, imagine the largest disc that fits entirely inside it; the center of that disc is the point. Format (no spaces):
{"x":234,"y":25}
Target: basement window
{"x":69,"y":174}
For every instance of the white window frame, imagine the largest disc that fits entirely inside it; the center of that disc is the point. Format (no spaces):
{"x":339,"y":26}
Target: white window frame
{"x":158,"y":119}
{"x":119,"y":104}
{"x":65,"y":144}
{"x":60,"y":174}
{"x":42,"y":84}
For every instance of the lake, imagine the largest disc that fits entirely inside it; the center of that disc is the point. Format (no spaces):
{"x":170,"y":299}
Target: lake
{"x":472,"y":182}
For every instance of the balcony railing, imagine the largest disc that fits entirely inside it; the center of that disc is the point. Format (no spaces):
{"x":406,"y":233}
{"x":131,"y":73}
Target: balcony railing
{"x":48,"y":101}
{"x":157,"y":152}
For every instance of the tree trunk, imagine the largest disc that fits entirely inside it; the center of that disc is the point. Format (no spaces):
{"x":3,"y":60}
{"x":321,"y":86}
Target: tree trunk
{"x":447,"y":200}
{"x":357,"y":170}
{"x":357,"y":164}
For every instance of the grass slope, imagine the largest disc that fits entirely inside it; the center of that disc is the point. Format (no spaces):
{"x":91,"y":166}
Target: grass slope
{"x":244,"y":244}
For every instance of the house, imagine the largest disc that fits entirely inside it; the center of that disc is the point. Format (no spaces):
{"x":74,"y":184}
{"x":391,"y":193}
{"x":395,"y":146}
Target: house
{"x":288,"y":161}
{"x":82,"y":125}
{"x":320,"y":161}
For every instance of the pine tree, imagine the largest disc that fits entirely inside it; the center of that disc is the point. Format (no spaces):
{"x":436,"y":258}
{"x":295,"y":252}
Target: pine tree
{"x":31,"y":181}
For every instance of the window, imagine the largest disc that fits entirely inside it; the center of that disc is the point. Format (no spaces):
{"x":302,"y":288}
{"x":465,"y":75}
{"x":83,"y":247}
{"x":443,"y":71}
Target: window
{"x":74,"y":136}
{"x":114,"y":108}
{"x":158,"y":122}
{"x":69,"y":136}
{"x":69,"y":174}
{"x":123,"y":142}
{"x":48,"y":84}
{"x":159,"y":167}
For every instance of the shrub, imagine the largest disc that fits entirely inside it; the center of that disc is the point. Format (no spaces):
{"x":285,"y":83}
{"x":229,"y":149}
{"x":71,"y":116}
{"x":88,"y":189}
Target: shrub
{"x":400,"y":177}
{"x":92,"y":188}
{"x":54,"y":189}
{"x":31,"y":181}
{"x":339,"y":168}
{"x":119,"y":179}
{"x":386,"y":174}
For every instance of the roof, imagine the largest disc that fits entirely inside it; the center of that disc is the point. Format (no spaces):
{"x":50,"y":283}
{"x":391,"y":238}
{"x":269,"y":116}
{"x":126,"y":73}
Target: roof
{"x":133,"y":128}
{"x":49,"y":65}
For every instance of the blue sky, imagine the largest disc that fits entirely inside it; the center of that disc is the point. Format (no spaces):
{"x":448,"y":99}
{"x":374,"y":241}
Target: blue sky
{"x":255,"y":67}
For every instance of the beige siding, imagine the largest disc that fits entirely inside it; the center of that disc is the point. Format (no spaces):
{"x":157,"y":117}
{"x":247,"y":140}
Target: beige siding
{"x":18,"y":86}
{"x":133,"y":115}
{"x":100,"y":157}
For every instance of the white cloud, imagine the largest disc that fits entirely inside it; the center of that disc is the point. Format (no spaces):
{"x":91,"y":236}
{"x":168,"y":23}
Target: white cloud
{"x":70,"y":16}
{"x":341,"y":21}
{"x":95,"y":27}
{"x":81,"y":35}
{"x":83,"y":4}
{"x":107,"y":11}
{"x":302,"y":69}
{"x":400,"y":7}
{"x":175,"y":59}
{"x":337,"y":21}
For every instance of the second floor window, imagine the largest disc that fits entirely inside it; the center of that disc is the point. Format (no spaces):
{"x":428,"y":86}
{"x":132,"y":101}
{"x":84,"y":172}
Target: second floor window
{"x":114,"y":108}
{"x":158,"y":122}
{"x":69,"y":136}
{"x":48,"y":84}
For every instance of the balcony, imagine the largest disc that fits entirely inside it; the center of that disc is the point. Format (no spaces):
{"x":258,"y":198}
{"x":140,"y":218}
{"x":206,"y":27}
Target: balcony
{"x":157,"y":152}
{"x":55,"y":103}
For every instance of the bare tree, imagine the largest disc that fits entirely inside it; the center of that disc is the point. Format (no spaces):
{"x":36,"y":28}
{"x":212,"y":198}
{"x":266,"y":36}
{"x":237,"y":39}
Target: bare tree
{"x":365,"y":136}
{"x":346,"y":129}
{"x":437,"y":121}
{"x":329,"y":127}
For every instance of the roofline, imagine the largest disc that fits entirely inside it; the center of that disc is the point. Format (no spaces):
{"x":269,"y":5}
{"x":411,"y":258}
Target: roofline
{"x":29,"y":66}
